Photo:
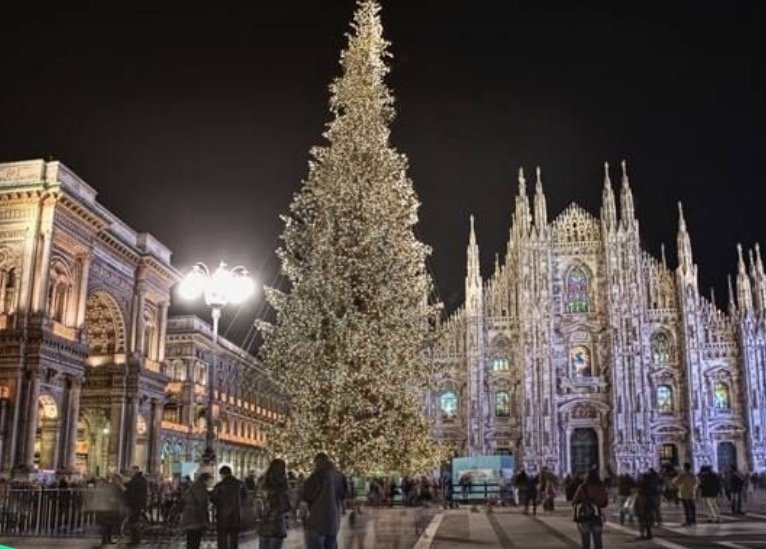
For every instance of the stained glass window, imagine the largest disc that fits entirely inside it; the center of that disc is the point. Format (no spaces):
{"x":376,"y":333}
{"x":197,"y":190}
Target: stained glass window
{"x":579,"y":357}
{"x":500,"y":364}
{"x":449,"y":405}
{"x":664,"y":399}
{"x":577,"y":291}
{"x":661,"y":348}
{"x":721,"y":396}
{"x":502,"y":404}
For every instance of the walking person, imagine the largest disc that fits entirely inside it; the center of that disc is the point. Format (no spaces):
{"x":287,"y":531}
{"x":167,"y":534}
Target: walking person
{"x":195,"y":513}
{"x":229,"y":497}
{"x":626,"y":499}
{"x":108,"y":505}
{"x":272,"y":530}
{"x":710,"y":487}
{"x":644,"y":508}
{"x":588,"y":503}
{"x":686,"y":483}
{"x":736,"y":486}
{"x":324,"y":491}
{"x":136,"y":493}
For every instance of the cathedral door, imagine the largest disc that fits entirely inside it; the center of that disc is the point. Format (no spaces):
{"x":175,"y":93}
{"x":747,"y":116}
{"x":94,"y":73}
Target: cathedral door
{"x":584,"y":450}
{"x":727,"y":456}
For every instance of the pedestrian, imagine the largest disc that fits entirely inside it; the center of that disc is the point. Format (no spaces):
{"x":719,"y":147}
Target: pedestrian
{"x":250,"y":482}
{"x":653,"y":490}
{"x":324,"y":491}
{"x":710,"y":487}
{"x":569,"y":487}
{"x":626,"y":499}
{"x":229,"y":497}
{"x":643,"y":507}
{"x":588,"y":503}
{"x":136,"y":493}
{"x":109,"y":508}
{"x":736,"y":487}
{"x":686,"y":483}
{"x":272,"y":529}
{"x":195,"y":513}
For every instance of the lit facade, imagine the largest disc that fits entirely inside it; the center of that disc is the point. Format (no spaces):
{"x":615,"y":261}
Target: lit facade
{"x":85,"y":384}
{"x":582,"y":349}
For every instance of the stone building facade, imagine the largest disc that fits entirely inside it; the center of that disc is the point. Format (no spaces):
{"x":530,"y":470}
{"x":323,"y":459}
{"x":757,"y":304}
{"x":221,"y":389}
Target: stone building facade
{"x":247,"y":402}
{"x":83,"y":323}
{"x":582,"y":349}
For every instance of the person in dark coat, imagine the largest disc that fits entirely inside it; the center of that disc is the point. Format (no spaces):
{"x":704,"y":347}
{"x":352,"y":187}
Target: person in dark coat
{"x":272,"y":530}
{"x":593,"y":493}
{"x":324,"y":491}
{"x":710,"y":487}
{"x":108,"y":506}
{"x":736,"y":486}
{"x":653,"y":489}
{"x":195,"y":515}
{"x":136,"y":493}
{"x":229,"y":497}
{"x":644,"y":507}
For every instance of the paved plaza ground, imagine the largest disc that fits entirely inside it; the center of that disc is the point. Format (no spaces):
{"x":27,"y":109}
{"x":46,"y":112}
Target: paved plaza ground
{"x":424,"y":527}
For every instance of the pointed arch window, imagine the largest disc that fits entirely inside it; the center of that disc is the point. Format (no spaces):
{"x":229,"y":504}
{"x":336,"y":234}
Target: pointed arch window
{"x":661,"y":348}
{"x":502,"y":404}
{"x":577,"y":291}
{"x":721,"y":396}
{"x":448,"y":405}
{"x":665,"y":399}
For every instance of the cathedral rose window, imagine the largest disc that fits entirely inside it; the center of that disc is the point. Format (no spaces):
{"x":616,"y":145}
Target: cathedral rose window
{"x":577,"y":291}
{"x":448,"y":404}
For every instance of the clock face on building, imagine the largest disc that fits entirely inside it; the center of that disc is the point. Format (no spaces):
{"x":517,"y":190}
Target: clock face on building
{"x":579,"y":357}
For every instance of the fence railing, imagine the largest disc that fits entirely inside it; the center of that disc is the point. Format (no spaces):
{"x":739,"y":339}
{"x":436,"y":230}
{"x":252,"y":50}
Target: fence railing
{"x":73,"y":512}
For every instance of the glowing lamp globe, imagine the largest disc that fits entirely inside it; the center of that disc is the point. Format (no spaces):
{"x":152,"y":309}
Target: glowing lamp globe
{"x":192,"y":285}
{"x":242,"y":287}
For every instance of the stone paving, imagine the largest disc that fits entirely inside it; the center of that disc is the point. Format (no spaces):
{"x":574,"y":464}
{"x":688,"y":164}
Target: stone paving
{"x":425,"y":527}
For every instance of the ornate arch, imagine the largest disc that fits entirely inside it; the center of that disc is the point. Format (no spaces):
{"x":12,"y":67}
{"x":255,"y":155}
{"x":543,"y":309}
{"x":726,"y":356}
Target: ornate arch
{"x":104,"y":325}
{"x":661,"y":346}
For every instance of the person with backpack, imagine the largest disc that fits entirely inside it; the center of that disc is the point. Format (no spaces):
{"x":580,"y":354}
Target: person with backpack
{"x":229,"y":497}
{"x":588,"y":504}
{"x":272,"y":529}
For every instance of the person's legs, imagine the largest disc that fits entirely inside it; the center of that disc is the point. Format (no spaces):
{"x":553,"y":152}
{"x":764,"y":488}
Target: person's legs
{"x":597,"y":531}
{"x":329,"y":542}
{"x":687,"y":512}
{"x":584,"y":536}
{"x":313,"y":540}
{"x":233,"y":539}
{"x":223,"y":539}
{"x":193,"y":539}
{"x":693,"y":511}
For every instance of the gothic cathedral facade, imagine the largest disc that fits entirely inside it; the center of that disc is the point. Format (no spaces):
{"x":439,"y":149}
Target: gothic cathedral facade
{"x":584,"y":350}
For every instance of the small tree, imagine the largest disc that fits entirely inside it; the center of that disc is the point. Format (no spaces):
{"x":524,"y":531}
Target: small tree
{"x":348,"y":345}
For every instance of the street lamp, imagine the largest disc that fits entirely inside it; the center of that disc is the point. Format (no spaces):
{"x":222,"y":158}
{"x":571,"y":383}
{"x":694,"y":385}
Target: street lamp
{"x":221,"y":287}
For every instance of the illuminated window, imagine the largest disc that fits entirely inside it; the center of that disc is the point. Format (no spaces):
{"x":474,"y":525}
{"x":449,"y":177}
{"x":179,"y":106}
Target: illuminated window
{"x":721,"y":396}
{"x":448,"y":404}
{"x":577,"y":291}
{"x":500,"y":365}
{"x":664,"y":399}
{"x":661,"y":348}
{"x":579,"y":357}
{"x":502,"y":404}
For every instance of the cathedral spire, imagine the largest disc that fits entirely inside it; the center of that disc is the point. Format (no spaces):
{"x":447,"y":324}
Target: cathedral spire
{"x":759,"y":278}
{"x":473,"y":284}
{"x":712,"y":295}
{"x":683,"y":240}
{"x":663,"y":261}
{"x":541,"y":208}
{"x":627,"y":210}
{"x":732,"y":303}
{"x":522,"y":216}
{"x":758,"y":260}
{"x":744,"y":289}
{"x":608,"y":208}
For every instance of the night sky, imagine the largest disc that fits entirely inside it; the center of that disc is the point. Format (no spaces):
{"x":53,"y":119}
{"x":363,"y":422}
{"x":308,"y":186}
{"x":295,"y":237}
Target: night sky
{"x":195,"y":124}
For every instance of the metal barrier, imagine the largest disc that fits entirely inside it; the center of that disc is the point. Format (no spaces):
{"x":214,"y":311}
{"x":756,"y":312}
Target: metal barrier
{"x":74,"y":512}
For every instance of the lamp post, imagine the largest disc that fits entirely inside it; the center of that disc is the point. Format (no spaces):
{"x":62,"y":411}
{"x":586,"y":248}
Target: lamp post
{"x":219,"y":288}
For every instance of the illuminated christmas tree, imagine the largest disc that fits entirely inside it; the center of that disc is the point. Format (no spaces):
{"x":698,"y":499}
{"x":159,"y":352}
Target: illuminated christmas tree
{"x":348,"y":345}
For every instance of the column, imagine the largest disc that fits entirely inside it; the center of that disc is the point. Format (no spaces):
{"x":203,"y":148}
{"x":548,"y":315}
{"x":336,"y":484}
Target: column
{"x":116,"y":430}
{"x":30,"y":431}
{"x":82,"y":294}
{"x":154,"y":436}
{"x":3,"y":282}
{"x":163,"y":329}
{"x":129,"y":449}
{"x":41,"y":272}
{"x":70,"y":433}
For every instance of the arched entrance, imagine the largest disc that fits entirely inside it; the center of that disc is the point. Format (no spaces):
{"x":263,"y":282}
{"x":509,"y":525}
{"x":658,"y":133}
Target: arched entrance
{"x":668,"y":455}
{"x":46,"y":440}
{"x":727,"y":456}
{"x":584,"y":450}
